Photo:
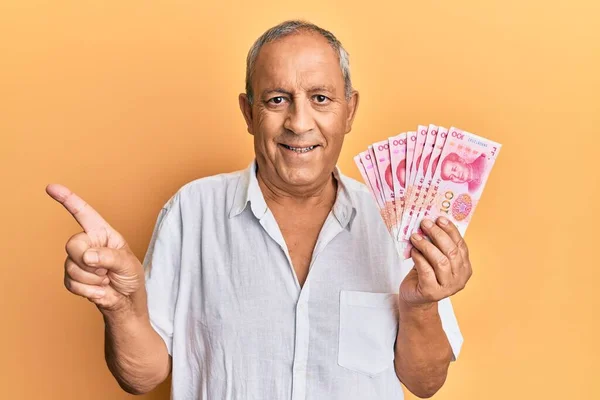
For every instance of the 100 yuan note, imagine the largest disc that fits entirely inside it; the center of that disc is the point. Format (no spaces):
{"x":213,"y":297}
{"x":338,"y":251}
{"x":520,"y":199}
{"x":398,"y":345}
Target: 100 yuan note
{"x":411,"y":191}
{"x":398,"y":168}
{"x":411,"y":141}
{"x":370,"y":172}
{"x":420,"y":186}
{"x":363,"y":173}
{"x":431,"y":153}
{"x":432,"y":189}
{"x":368,"y":160}
{"x":384,"y":168}
{"x":458,"y":182}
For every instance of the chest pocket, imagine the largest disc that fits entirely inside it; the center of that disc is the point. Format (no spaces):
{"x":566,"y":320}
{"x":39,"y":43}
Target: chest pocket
{"x":368,"y":329}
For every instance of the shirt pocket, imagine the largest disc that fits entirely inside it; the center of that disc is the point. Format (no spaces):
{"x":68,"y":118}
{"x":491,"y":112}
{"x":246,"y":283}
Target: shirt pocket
{"x":368,"y":329}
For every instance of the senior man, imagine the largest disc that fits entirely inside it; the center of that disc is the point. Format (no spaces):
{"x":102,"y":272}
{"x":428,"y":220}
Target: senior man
{"x":279,"y":281}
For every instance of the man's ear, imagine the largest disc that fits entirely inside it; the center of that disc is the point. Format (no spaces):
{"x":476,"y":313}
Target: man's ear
{"x":352,"y":107}
{"x":246,"y":109}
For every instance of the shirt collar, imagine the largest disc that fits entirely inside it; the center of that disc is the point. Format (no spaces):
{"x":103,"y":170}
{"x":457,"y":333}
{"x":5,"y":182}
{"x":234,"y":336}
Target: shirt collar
{"x":248,"y":191}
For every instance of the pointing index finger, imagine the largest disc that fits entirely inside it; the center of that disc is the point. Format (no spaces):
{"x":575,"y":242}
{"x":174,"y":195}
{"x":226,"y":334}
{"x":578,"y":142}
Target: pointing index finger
{"x":86,"y":216}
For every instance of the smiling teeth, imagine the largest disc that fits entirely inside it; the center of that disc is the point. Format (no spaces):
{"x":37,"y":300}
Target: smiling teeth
{"x":301,"y":149}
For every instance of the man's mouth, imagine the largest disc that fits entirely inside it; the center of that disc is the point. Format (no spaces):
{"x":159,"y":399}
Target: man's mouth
{"x":299,"y":150}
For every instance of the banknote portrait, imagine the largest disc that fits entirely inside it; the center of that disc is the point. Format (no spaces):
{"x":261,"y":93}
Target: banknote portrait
{"x":457,"y":169}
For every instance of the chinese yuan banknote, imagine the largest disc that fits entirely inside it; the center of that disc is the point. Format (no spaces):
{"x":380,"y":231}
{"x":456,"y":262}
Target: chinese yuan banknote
{"x":370,"y":172}
{"x":411,"y":141}
{"x":424,"y":174}
{"x":397,"y":145}
{"x":413,"y":187}
{"x":384,"y":168}
{"x":427,"y":173}
{"x":365,"y":163}
{"x":465,"y":164}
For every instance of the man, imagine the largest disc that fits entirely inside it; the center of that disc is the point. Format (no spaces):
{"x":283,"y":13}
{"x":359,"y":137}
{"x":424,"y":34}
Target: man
{"x":279,"y":281}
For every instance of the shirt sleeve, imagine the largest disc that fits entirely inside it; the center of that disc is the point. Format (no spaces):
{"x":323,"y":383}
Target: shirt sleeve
{"x":161,"y":267}
{"x":449,"y":322}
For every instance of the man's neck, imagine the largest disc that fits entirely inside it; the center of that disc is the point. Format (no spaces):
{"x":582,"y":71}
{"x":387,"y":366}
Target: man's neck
{"x":299,"y":200}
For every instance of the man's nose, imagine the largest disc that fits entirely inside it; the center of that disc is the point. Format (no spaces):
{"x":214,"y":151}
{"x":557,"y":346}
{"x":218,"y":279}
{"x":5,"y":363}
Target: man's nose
{"x":300,"y":118}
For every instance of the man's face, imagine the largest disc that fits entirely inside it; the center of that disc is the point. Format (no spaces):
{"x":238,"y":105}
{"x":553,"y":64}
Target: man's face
{"x":300,"y":113}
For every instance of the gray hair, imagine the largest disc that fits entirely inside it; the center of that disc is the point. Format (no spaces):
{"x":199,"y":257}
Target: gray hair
{"x":290,"y":27}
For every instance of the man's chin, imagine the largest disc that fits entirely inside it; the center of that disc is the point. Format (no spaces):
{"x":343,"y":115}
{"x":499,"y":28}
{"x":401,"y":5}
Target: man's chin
{"x":300,"y":176}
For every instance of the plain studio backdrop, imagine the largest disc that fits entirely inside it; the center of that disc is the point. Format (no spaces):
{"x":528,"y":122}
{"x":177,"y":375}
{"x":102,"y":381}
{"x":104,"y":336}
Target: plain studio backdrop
{"x":125,"y":102}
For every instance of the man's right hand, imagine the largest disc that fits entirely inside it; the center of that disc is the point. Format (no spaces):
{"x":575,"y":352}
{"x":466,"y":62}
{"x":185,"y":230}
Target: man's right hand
{"x":100,"y":266}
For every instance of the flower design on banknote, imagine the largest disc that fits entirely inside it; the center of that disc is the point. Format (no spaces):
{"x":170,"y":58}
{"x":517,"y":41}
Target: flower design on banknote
{"x":462,"y":207}
{"x":456,"y":169}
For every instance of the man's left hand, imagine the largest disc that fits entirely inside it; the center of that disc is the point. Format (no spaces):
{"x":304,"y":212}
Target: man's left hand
{"x":442,"y":267}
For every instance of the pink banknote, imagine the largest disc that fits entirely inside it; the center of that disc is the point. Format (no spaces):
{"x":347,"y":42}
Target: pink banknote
{"x":435,"y":158}
{"x":448,"y":169}
{"x":363,"y":173}
{"x":424,"y":174}
{"x":463,"y":170}
{"x":371,"y":173}
{"x":386,"y":212}
{"x":420,"y":142}
{"x":411,"y":142}
{"x":384,"y":168}
{"x":398,"y":176}
{"x":440,"y":140}
{"x":413,"y":188}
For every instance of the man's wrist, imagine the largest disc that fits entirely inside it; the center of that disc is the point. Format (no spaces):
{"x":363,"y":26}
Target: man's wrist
{"x":418,"y":312}
{"x":131,"y":309}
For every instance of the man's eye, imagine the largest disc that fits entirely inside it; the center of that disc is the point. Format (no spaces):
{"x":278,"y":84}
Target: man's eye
{"x":321,"y":99}
{"x":277,"y":100}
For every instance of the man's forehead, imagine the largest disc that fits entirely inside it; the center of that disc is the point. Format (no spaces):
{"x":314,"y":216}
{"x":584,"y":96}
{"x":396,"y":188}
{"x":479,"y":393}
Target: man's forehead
{"x":305,"y":58}
{"x":298,"y":41}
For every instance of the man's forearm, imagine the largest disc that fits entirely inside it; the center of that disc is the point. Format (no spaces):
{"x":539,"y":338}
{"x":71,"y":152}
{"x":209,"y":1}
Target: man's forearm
{"x":135,"y":354}
{"x":423,"y":353}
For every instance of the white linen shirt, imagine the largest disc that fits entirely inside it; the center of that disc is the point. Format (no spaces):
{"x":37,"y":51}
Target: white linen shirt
{"x":224,"y":297}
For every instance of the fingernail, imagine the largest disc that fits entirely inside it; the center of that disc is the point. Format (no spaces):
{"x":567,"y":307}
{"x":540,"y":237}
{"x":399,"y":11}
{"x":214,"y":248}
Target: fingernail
{"x":90,"y":257}
{"x":100,"y":271}
{"x":427,"y":223}
{"x":443,"y":220}
{"x":99,"y":293}
{"x":416,"y":236}
{"x":105,"y":281}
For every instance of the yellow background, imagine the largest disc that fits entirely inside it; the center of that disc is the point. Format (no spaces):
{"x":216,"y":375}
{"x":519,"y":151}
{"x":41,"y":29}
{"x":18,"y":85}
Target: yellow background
{"x":124,"y":102}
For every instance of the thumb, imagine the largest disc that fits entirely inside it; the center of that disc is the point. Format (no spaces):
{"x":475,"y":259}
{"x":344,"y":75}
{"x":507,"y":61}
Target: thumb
{"x":114,"y":260}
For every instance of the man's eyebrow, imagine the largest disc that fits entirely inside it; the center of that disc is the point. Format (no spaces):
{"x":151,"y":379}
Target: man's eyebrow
{"x":322,"y":88}
{"x":276,"y":90}
{"x":318,"y":88}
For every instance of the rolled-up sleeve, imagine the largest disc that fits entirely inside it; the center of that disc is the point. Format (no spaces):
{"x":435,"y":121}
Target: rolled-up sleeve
{"x":162,"y":270}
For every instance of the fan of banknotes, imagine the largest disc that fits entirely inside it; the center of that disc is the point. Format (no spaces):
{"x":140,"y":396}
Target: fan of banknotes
{"x":430,"y":172}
